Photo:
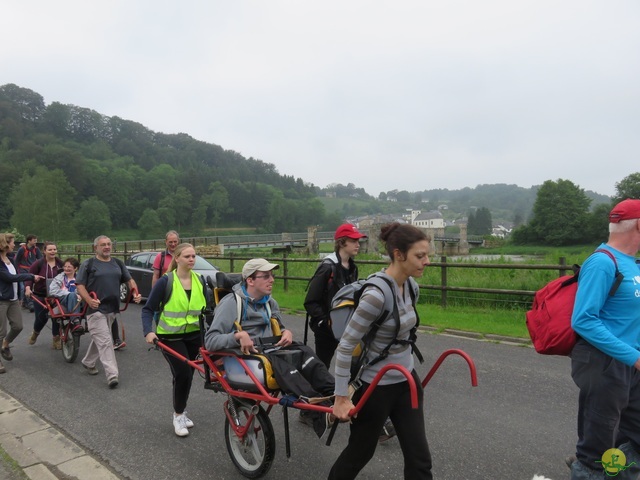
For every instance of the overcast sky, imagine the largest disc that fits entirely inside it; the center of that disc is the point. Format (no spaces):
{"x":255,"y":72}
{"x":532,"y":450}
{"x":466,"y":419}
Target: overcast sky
{"x":403,"y":94}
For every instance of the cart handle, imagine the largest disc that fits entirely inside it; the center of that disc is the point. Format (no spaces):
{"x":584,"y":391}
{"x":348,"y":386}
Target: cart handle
{"x":132,"y":293}
{"x":413,"y":391}
{"x":445,"y":354}
{"x":197,"y":364}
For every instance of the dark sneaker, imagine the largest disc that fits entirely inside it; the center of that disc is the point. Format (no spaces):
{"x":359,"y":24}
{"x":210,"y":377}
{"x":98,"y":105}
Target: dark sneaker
{"x":113,"y":382}
{"x":119,"y":344}
{"x":306,"y":417}
{"x":6,"y":353}
{"x":388,"y":431}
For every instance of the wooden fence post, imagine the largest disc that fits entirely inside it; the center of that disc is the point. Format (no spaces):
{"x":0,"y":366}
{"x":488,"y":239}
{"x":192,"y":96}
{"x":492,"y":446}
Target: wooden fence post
{"x":563,"y":261}
{"x":443,"y":281}
{"x":285,"y":270}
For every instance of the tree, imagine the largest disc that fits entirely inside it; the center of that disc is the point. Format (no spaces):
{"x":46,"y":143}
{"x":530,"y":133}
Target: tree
{"x":167,"y":212}
{"x":149,"y":223}
{"x":560,"y":212}
{"x":92,"y":218}
{"x":484,"y":223}
{"x":628,"y":187}
{"x":44,"y":203}
{"x":182,"y":201}
{"x":219,"y":201}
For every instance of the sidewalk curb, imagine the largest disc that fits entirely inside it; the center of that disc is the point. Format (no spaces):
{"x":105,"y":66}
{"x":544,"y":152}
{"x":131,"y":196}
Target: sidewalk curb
{"x":483,"y":337}
{"x":41,"y":451}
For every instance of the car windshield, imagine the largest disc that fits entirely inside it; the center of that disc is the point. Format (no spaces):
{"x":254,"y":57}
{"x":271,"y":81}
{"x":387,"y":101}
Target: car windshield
{"x":202,"y":264}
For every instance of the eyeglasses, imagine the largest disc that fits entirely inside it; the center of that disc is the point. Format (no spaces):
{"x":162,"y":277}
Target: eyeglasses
{"x":266,"y":276}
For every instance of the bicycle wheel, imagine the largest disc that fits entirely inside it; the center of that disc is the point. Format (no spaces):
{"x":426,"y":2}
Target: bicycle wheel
{"x":253,"y":454}
{"x":70,"y":346}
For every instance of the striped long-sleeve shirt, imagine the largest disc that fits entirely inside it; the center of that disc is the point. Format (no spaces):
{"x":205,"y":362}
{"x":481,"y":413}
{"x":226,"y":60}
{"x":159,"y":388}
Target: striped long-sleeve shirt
{"x":369,"y":308}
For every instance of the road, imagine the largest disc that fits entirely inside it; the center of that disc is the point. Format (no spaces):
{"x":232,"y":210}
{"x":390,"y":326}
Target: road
{"x":520,"y":420}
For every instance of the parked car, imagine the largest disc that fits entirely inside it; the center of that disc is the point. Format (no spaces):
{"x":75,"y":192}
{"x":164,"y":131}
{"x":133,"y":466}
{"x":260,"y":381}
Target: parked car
{"x":140,"y":266}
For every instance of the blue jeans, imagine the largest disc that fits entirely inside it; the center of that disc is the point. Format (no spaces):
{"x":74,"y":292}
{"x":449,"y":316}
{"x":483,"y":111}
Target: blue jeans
{"x":42,"y":317}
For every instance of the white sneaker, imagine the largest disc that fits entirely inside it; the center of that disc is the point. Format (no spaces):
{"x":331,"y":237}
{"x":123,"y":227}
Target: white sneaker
{"x":180,"y":425}
{"x":187,"y":421}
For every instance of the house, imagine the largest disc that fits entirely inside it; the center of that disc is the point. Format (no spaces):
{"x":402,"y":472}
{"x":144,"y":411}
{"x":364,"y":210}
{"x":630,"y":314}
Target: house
{"x":431,"y":219}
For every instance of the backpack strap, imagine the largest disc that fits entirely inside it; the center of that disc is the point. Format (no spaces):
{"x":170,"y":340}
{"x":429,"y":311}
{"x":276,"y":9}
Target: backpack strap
{"x":618,"y":276}
{"x":370,"y":335}
{"x":239,"y":310}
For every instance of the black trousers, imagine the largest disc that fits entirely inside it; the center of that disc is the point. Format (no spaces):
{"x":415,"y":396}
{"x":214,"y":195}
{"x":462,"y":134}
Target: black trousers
{"x":326,"y":343}
{"x":310,"y":379}
{"x":182,"y":373}
{"x":608,"y":404}
{"x":393,"y":401}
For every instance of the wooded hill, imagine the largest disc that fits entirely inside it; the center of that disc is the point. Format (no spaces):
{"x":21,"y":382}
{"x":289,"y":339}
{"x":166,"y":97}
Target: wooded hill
{"x":69,"y":172}
{"x":70,"y":167}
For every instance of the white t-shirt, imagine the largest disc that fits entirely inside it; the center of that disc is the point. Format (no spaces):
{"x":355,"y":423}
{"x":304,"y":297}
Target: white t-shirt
{"x":12,"y":271}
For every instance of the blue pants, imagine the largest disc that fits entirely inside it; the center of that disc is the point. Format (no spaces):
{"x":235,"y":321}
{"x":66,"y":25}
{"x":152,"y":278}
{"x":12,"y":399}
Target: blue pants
{"x":608,"y":404}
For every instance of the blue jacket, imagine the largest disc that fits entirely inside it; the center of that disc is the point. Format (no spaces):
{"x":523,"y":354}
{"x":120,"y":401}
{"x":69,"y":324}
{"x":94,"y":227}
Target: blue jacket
{"x":7,"y":280}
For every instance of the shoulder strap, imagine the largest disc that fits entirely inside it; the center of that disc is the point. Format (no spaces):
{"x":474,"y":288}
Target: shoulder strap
{"x":162,"y":257}
{"x":324,"y":261}
{"x":168,"y":289}
{"x":240,"y":306}
{"x":618,"y":276}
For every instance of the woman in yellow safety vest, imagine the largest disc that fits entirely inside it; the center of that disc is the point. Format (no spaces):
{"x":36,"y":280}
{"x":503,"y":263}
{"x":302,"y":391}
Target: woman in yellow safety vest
{"x":179,"y":297}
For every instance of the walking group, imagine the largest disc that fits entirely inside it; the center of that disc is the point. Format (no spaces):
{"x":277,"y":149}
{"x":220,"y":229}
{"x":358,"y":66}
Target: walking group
{"x":95,"y":282}
{"x":605,"y":362}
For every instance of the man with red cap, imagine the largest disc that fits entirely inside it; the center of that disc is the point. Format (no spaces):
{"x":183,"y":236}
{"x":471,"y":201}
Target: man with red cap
{"x":605,"y":362}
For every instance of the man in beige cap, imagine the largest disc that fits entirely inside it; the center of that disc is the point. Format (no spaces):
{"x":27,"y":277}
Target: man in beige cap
{"x":258,"y":307}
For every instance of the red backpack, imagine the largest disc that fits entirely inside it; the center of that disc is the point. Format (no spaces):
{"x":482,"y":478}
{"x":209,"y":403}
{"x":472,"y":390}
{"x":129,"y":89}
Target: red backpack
{"x":549,"y":320}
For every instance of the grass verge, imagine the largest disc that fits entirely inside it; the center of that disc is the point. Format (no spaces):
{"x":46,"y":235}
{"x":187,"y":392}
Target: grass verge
{"x":510,"y":323}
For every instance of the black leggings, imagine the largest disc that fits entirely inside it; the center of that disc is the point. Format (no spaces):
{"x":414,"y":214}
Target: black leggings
{"x":182,"y":373}
{"x":392,"y":401}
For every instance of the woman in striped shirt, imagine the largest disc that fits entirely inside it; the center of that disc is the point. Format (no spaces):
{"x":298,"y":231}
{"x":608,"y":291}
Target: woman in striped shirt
{"x":408,"y":249}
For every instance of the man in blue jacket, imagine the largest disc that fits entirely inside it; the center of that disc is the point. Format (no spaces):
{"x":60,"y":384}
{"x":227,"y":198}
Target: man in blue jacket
{"x":605,"y":362}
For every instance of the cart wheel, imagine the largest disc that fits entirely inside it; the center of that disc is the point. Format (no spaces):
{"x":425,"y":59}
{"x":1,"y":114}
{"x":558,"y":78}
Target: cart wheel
{"x":71,"y":346}
{"x":254,"y":453}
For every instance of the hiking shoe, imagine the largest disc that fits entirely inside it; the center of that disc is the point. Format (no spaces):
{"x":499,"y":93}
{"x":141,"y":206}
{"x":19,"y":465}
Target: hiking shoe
{"x":6,"y":353}
{"x":56,"y":344}
{"x":113,"y":382}
{"x":119,"y":344}
{"x":33,"y":337}
{"x":90,"y":370}
{"x":388,"y":431}
{"x":2,"y":369}
{"x":180,"y":425}
{"x":187,"y":421}
{"x":306,"y":417}
{"x":570,"y":459}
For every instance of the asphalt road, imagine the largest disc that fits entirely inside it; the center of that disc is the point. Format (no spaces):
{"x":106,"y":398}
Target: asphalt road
{"x":520,"y":420}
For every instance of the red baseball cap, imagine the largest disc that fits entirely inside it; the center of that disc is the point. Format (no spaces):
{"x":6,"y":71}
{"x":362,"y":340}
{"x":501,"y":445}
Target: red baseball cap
{"x":626,"y":210}
{"x":350,"y":231}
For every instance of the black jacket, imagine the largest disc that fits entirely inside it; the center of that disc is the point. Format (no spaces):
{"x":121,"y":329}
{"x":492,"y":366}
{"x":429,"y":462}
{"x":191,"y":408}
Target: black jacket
{"x":330,"y":277}
{"x":7,"y":280}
